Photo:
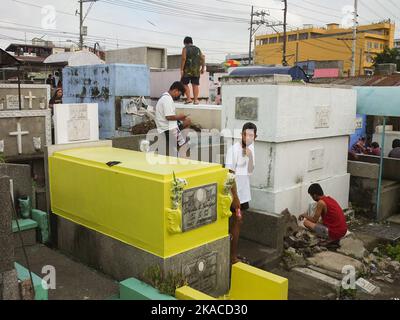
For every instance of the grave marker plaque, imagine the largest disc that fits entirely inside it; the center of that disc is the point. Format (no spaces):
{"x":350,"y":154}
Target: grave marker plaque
{"x":246,"y":109}
{"x":199,"y":207}
{"x":322,"y":117}
{"x":202,"y":272}
{"x":78,"y":124}
{"x":13,"y":103}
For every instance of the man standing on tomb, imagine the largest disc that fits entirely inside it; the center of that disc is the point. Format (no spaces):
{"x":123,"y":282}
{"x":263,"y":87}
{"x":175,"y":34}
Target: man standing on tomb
{"x":240,"y":160}
{"x":333,"y":226}
{"x":167,"y":120}
{"x":192,"y":66}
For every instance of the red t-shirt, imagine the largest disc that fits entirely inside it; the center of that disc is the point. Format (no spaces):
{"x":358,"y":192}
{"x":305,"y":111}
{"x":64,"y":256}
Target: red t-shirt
{"x":334,"y":219}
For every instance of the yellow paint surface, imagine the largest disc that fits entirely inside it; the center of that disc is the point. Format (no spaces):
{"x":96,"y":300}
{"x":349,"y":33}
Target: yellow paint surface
{"x":188,"y":293}
{"x":250,"y":283}
{"x":247,"y":283}
{"x":130,"y":201}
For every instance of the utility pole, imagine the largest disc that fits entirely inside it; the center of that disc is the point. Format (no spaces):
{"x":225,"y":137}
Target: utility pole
{"x":259,"y":22}
{"x":353,"y":51}
{"x":81,"y":20}
{"x":81,"y":25}
{"x":284,"y":62}
{"x":251,"y":34}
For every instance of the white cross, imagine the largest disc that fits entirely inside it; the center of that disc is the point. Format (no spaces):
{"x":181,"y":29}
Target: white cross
{"x":30,"y":97}
{"x":19,"y":135}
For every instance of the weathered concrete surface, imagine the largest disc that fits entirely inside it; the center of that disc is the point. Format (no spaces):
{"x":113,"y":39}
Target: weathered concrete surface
{"x":264,"y":228}
{"x":122,"y":261}
{"x":28,"y":238}
{"x":21,"y":176}
{"x":9,"y":289}
{"x":363,"y":196}
{"x":320,"y":277}
{"x":74,"y":281}
{"x":334,"y":262}
{"x":363,"y":169}
{"x":350,"y":246}
{"x":6,"y":236}
{"x":394,"y":219}
{"x":259,"y":255}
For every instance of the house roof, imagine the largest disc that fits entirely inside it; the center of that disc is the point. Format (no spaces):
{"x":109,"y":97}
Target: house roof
{"x":7,"y":60}
{"x":363,"y":81}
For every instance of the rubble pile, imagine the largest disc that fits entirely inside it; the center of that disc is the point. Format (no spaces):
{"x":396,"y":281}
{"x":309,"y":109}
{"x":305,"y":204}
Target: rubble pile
{"x":303,"y":249}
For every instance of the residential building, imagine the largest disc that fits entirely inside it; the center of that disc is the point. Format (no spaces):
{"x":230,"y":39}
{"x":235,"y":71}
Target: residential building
{"x":327,"y":44}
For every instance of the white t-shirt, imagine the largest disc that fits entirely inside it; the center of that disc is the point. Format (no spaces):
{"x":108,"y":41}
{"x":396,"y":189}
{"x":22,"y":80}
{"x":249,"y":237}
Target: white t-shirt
{"x":238,"y":163}
{"x":165,"y":107}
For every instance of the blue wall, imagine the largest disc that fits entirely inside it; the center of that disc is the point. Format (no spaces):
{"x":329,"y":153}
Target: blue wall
{"x":102,"y":84}
{"x":362,"y":132}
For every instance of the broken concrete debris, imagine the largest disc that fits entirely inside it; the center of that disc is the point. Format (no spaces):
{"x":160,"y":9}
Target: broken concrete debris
{"x":352,"y":247}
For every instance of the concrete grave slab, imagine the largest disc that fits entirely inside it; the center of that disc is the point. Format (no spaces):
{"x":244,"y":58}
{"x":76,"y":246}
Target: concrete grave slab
{"x":334,"y":262}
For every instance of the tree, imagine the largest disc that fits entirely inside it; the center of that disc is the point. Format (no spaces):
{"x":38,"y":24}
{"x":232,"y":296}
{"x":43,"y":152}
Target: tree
{"x":388,"y":56}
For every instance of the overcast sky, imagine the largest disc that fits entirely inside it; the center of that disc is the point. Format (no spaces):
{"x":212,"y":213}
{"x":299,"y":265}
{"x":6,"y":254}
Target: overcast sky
{"x":219,"y":27}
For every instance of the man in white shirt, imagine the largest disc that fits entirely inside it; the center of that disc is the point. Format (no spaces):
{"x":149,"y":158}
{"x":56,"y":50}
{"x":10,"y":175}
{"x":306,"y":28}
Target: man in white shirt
{"x":167,"y":120}
{"x":240,"y":160}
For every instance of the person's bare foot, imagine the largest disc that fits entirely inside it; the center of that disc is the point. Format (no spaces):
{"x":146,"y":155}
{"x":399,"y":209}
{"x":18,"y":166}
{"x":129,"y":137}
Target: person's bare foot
{"x":196,"y":102}
{"x":188,"y":101}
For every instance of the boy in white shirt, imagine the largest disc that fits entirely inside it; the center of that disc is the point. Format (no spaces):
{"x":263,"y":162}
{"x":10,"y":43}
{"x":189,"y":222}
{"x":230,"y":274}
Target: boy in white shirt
{"x":167,"y":120}
{"x":240,"y":160}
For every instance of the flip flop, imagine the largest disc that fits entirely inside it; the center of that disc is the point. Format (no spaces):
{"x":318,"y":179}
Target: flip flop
{"x":196,"y":102}
{"x":244,"y":260}
{"x":188,"y":102}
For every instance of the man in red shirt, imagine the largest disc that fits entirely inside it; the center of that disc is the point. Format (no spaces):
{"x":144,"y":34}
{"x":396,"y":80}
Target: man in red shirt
{"x":334,"y":226}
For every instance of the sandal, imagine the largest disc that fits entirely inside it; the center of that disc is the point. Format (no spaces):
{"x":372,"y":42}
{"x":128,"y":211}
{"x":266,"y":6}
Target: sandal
{"x":188,"y":101}
{"x":244,"y":260}
{"x":196,"y":102}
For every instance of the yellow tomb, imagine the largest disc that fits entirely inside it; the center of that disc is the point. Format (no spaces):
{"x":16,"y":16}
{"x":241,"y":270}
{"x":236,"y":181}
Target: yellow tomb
{"x":164,"y":209}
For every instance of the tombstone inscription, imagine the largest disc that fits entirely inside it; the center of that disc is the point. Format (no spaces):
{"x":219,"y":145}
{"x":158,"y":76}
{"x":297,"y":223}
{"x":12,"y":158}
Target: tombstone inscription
{"x":199,"y":207}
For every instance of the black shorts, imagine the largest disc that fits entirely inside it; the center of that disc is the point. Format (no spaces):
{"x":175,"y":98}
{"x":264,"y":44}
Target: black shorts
{"x":168,"y":144}
{"x":193,"y":80}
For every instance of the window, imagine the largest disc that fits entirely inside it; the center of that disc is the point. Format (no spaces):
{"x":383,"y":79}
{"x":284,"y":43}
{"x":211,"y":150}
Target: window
{"x":369,"y":45}
{"x":376,"y":45}
{"x":293,"y":37}
{"x":273,"y":40}
{"x":303,"y":36}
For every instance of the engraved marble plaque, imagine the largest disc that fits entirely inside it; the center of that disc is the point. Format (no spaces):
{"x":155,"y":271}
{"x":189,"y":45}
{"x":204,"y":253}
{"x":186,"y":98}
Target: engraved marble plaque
{"x":78,"y":124}
{"x":316,"y":160}
{"x":199,"y":207}
{"x":13,"y":103}
{"x":202,"y":272}
{"x":359,"y":123}
{"x":246,"y":109}
{"x":322,"y":117}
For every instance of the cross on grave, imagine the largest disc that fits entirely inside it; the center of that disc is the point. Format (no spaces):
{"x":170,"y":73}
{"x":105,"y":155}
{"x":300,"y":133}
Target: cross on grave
{"x":19,"y":135}
{"x":30,"y":97}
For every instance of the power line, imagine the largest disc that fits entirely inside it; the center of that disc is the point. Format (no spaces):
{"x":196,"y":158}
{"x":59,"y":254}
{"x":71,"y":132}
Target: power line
{"x":170,"y":10}
{"x":104,"y":39}
{"x":133,"y":27}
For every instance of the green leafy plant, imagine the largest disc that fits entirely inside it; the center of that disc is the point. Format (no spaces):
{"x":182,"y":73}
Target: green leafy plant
{"x":393,"y":251}
{"x":165,"y":283}
{"x":347,"y":294}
